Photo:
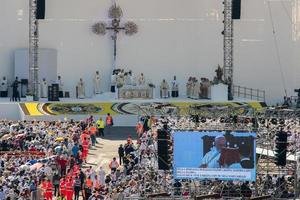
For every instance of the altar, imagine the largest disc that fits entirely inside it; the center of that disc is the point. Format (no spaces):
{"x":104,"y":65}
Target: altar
{"x":219,"y":92}
{"x":135,"y":92}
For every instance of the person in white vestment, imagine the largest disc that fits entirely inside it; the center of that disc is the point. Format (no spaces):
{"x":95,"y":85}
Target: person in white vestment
{"x":164,"y":88}
{"x":175,"y":92}
{"x":141,"y":80}
{"x":211,"y":158}
{"x":196,"y":89}
{"x":81,"y":89}
{"x":132,"y":78}
{"x":101,"y":176}
{"x":189,"y":87}
{"x":44,"y":88}
{"x":3,"y":87}
{"x":97,"y":82}
{"x":127,"y":78}
{"x":113,"y":80}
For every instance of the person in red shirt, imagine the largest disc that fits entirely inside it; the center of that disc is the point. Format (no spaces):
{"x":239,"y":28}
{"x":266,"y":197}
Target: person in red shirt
{"x":85,"y":149}
{"x":109,"y":120}
{"x":44,"y":188}
{"x":49,"y":190}
{"x":62,"y":186}
{"x":69,"y":189}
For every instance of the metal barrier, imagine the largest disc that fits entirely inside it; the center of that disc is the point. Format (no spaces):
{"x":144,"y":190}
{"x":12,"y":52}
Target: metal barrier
{"x":253,"y":94}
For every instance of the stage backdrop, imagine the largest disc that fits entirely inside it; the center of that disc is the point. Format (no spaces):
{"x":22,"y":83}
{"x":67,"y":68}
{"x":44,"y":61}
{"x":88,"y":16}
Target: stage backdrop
{"x":175,"y":37}
{"x":199,"y":155}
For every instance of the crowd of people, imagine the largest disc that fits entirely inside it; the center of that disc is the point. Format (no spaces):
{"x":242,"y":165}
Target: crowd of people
{"x":41,"y":159}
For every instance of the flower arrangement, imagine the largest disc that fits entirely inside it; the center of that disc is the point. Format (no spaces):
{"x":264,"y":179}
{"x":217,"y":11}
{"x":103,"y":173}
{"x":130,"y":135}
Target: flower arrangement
{"x":99,"y":28}
{"x":130,"y":28}
{"x":115,"y":12}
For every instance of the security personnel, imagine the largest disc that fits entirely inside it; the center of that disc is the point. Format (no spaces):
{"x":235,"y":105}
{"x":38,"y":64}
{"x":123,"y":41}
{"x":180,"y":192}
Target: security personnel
{"x":85,"y":149}
{"x":49,"y":190}
{"x":44,"y":188}
{"x":69,"y":189}
{"x":100,"y":127}
{"x":109,"y":120}
{"x":62,"y":187}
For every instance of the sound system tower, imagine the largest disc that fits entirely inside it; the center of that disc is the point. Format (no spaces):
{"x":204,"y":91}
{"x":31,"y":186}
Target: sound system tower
{"x":236,"y":9}
{"x":50,"y":93}
{"x":41,"y":7}
{"x":162,"y":150}
{"x":53,"y":92}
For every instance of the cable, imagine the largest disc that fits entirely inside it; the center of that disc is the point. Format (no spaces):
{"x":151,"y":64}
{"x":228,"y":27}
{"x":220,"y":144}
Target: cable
{"x":277,"y":49}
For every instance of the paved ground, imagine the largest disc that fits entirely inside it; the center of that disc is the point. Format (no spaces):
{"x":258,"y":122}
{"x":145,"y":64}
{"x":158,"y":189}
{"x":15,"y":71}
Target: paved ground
{"x":107,"y":147}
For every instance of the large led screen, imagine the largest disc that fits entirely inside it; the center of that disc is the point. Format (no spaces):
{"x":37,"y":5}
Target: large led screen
{"x":215,"y":155}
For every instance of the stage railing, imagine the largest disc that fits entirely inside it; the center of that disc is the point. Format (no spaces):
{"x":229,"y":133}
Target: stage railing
{"x":249,"y":93}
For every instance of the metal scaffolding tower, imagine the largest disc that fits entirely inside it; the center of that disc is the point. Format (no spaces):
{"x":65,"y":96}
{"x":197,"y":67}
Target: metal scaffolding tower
{"x":228,"y":46}
{"x":33,"y":50}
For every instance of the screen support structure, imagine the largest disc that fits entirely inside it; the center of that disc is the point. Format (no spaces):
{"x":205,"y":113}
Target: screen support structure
{"x":228,"y":46}
{"x":33,"y":50}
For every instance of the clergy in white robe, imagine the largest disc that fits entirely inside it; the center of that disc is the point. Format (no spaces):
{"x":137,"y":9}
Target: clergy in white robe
{"x":175,"y":92}
{"x":81,"y":89}
{"x":3,"y":87}
{"x":164,"y":88}
{"x":44,"y":88}
{"x":113,"y":83}
{"x":101,"y":176}
{"x":141,"y":80}
{"x":196,"y":89}
{"x":132,"y":78}
{"x":97,"y":81}
{"x":189,"y":87}
{"x":127,"y":79}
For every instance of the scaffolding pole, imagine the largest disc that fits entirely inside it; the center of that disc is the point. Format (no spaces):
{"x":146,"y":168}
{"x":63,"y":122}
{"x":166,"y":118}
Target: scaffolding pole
{"x":33,"y":50}
{"x":228,"y":47}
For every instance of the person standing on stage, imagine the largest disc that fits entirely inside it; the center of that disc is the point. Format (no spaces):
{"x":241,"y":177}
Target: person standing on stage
{"x":16,"y":93}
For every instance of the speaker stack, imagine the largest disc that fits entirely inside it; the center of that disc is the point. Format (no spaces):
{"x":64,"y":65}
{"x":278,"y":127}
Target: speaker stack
{"x":53,"y":92}
{"x":41,"y":7}
{"x":162,"y":149}
{"x":236,"y":9}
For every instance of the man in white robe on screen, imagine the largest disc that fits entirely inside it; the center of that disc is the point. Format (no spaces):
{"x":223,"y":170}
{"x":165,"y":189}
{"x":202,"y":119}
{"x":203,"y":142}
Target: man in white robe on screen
{"x":211,"y":158}
{"x":81,"y":89}
{"x":97,"y":82}
{"x":44,"y":88}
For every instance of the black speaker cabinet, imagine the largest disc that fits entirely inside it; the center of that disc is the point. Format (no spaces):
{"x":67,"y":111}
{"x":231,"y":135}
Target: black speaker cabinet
{"x":41,"y":7}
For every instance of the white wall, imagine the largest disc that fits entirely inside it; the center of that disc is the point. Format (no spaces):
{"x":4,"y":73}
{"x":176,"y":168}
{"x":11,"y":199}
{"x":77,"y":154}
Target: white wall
{"x":179,"y":37}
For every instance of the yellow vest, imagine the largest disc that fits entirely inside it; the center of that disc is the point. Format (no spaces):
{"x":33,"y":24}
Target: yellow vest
{"x":100,"y":124}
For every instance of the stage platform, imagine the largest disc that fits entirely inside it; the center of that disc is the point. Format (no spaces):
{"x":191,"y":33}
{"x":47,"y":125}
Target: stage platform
{"x":125,"y":112}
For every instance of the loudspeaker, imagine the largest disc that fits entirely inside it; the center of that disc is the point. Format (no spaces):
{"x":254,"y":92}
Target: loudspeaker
{"x":50,"y":93}
{"x":24,"y":81}
{"x":162,"y":134}
{"x":236,"y":9}
{"x":163,"y":155}
{"x":55,"y":88}
{"x":41,"y":7}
